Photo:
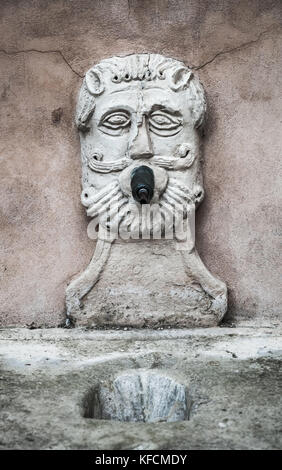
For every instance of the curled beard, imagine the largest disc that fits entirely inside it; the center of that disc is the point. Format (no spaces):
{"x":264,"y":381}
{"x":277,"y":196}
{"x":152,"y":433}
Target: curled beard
{"x":122,"y":217}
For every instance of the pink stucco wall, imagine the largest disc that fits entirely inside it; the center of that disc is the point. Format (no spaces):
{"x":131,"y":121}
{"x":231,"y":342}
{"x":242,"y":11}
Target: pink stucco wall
{"x":46,"y":47}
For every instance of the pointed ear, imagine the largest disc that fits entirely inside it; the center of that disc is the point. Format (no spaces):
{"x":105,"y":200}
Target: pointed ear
{"x":94,"y":83}
{"x":180,"y":78}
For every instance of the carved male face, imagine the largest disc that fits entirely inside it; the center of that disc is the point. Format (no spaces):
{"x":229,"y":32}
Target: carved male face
{"x":141,"y":120}
{"x":146,"y":112}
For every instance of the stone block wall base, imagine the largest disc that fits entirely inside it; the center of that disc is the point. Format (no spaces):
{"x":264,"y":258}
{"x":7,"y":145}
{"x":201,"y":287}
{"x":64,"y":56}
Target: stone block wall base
{"x":144,"y":284}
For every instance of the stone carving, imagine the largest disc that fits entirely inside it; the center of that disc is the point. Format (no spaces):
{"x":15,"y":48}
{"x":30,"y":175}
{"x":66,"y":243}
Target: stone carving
{"x":140,"y":119}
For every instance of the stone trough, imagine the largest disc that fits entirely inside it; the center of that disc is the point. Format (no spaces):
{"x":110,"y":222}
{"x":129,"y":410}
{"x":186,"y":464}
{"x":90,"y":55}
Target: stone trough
{"x":217,"y":388}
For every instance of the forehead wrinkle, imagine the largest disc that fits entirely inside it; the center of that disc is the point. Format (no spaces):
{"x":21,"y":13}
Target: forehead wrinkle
{"x":127,"y":88}
{"x":141,"y":106}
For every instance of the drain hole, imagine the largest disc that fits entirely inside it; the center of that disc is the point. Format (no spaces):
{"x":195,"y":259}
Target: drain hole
{"x":143,"y":396}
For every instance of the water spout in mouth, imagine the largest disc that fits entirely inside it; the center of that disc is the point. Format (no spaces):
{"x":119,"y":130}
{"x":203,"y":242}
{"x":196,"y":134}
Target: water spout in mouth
{"x":143,"y":196}
{"x":142,"y":184}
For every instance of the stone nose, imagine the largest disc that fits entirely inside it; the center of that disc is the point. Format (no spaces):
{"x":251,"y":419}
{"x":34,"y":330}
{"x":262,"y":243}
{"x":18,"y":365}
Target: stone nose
{"x":142,"y":184}
{"x":141,"y":146}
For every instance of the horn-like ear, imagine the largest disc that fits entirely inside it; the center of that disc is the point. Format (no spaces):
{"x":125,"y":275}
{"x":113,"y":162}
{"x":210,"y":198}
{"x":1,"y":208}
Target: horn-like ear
{"x":94,"y":81}
{"x":180,"y":78}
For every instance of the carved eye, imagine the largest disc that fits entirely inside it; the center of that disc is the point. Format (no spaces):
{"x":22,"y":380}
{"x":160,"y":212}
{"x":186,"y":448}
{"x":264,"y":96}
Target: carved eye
{"x":116,"y":120}
{"x":164,"y":124}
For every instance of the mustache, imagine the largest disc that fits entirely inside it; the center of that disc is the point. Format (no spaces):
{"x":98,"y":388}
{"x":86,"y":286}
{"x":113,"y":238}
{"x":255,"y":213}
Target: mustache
{"x":163,"y":161}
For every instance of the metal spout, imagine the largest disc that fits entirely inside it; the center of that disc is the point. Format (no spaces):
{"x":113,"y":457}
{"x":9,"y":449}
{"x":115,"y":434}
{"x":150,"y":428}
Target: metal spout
{"x":142,"y":184}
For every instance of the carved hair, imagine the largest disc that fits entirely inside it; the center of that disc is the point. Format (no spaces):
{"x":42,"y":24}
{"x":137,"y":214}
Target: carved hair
{"x":143,"y":67}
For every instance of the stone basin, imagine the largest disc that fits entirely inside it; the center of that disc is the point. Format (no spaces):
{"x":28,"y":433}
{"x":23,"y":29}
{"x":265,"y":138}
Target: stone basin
{"x":217,"y":388}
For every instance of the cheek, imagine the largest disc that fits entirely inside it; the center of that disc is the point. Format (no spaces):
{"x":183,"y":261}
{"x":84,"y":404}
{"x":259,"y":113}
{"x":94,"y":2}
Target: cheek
{"x":168,"y":145}
{"x":165,"y":145}
{"x":112,"y":147}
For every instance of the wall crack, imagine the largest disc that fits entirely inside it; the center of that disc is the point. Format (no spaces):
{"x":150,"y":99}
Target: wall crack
{"x":26,"y":51}
{"x":234,"y":49}
{"x":194,"y":67}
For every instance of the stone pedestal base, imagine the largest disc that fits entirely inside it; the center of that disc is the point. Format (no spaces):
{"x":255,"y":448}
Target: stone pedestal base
{"x":145,"y":284}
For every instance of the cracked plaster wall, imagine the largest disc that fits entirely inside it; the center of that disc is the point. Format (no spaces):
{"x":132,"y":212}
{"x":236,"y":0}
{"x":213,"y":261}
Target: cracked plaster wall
{"x":46,"y":47}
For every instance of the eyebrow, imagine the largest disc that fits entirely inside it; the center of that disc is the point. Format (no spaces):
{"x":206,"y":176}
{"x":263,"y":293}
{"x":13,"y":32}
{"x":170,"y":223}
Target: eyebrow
{"x":162,"y":107}
{"x":114,"y":109}
{"x":129,"y":109}
{"x":155,"y":107}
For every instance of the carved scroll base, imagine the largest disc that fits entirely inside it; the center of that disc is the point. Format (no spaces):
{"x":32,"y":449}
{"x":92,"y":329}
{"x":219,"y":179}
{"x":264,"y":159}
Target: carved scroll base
{"x":146,"y":284}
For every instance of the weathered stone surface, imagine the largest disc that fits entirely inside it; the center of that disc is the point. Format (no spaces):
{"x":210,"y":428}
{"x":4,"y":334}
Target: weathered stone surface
{"x":140,"y":119}
{"x":45,"y":49}
{"x":144,"y":284}
{"x":139,"y":396}
{"x":233,"y":377}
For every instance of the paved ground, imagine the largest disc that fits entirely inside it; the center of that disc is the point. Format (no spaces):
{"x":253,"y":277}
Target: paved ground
{"x":233,"y":376}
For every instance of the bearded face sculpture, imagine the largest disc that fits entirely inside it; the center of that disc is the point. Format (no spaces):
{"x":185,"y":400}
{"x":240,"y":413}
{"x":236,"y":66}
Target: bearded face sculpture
{"x":139,"y":119}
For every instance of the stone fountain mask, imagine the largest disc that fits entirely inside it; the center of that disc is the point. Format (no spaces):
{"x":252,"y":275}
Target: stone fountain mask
{"x":135,"y":112}
{"x":139,"y":119}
